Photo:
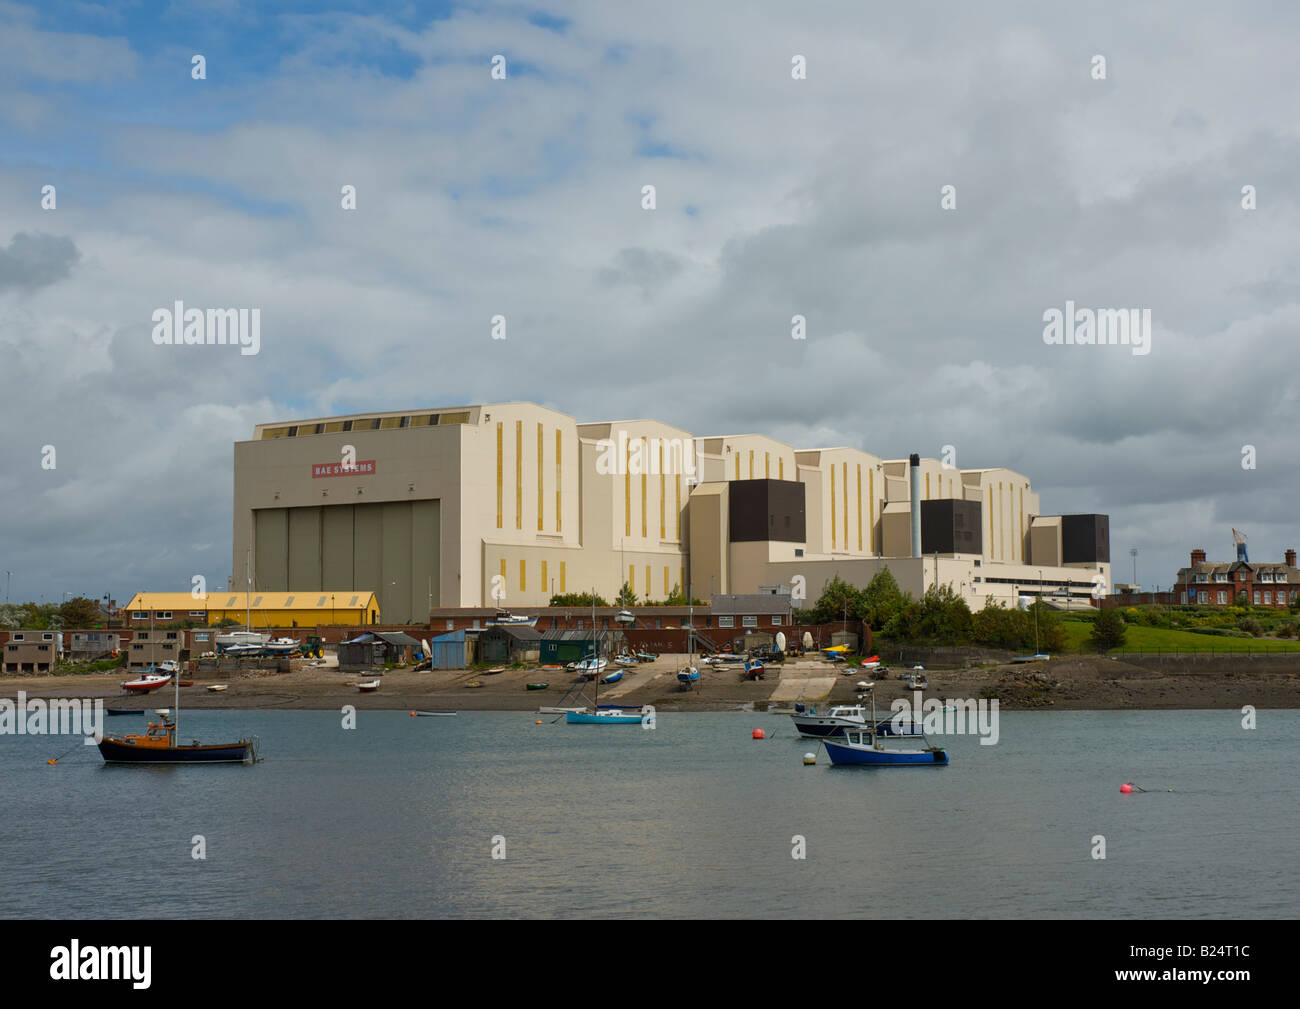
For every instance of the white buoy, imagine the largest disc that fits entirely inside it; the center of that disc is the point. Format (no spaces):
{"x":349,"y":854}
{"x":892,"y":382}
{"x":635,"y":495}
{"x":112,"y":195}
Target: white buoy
{"x":810,"y":758}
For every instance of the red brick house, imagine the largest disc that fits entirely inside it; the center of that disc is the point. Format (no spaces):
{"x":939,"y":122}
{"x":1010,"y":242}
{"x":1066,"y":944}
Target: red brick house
{"x":1214,"y":584}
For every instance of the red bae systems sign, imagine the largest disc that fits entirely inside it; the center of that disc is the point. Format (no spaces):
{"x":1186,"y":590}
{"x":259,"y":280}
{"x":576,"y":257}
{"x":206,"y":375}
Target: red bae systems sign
{"x":363,"y":468}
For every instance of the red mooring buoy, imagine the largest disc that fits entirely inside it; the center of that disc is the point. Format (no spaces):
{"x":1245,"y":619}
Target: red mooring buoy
{"x":1126,"y":788}
{"x":759,"y":734}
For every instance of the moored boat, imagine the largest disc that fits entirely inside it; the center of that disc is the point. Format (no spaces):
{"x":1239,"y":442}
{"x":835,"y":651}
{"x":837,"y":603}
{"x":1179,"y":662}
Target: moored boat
{"x":159,"y":744}
{"x":536,"y":686}
{"x":613,"y":677}
{"x":438,"y":713}
{"x":369,"y":687}
{"x":606,"y":716}
{"x":863,"y":746}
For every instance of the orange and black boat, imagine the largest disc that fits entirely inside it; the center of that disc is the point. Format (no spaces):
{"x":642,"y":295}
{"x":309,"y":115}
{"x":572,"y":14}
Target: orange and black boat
{"x":158,"y":745}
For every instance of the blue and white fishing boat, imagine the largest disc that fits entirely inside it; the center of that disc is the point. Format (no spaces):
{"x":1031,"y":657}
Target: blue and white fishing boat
{"x":688,"y":675}
{"x":613,"y":677}
{"x":863,"y":747}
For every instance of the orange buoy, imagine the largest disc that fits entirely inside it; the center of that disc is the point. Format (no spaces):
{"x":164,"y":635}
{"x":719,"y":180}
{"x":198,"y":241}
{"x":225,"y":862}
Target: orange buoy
{"x":759,"y":734}
{"x":538,"y":722}
{"x":412,"y":714}
{"x":1125,"y":788}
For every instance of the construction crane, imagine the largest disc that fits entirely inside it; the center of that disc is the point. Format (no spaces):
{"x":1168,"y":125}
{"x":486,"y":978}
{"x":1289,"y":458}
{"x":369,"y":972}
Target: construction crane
{"x":1240,"y":539}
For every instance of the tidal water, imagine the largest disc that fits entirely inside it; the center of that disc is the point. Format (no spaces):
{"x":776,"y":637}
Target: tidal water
{"x":399,"y":818}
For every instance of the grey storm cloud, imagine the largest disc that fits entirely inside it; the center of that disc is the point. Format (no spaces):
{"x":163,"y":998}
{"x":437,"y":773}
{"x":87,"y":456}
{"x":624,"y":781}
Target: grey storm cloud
{"x":34,"y":261}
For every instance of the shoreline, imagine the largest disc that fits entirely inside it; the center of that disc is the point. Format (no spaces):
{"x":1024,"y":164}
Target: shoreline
{"x":1072,"y":683}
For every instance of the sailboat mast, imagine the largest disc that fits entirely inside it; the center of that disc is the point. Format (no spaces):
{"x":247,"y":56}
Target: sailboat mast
{"x":595,"y":659}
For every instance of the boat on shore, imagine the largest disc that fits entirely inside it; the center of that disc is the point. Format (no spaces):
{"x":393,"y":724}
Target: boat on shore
{"x":536,"y":686}
{"x":147,"y":682}
{"x":613,"y":677}
{"x":754,"y":669}
{"x":506,"y":619}
{"x":646,"y":656}
{"x":217,"y":688}
{"x":688,"y":676}
{"x":369,"y":687}
{"x":917,"y":681}
{"x":439,"y":713}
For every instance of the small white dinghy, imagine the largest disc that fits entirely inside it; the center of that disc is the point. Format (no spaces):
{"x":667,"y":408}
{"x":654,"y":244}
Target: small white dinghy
{"x":216,"y":688}
{"x":369,"y":687}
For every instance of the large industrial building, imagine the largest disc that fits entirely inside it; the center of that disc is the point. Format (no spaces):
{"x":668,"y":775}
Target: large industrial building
{"x":505,"y":504}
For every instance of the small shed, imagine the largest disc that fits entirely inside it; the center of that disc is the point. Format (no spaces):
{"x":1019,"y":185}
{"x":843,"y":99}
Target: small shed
{"x":449,"y":651}
{"x":375,"y":648}
{"x":561,"y":646}
{"x":510,"y":643}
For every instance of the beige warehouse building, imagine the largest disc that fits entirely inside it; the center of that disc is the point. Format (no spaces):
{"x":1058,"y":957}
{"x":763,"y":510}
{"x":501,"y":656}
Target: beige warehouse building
{"x":507,"y":504}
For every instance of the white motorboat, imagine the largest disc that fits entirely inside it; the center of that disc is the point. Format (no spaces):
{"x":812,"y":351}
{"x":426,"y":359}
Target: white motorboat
{"x":368,"y":687}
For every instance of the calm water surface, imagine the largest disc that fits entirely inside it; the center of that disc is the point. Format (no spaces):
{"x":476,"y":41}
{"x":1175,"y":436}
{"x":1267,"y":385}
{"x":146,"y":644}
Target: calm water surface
{"x":396,"y":818}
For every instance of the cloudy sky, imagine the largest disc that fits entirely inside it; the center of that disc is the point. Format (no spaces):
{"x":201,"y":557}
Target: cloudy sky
{"x":522,"y":197}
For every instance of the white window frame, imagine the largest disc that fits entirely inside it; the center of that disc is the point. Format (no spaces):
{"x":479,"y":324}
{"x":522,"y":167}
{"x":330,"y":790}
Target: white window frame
{"x":749,"y":621}
{"x":726,"y":621}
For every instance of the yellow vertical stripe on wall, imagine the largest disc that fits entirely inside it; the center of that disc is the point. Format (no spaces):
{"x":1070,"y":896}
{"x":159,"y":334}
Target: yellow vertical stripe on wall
{"x":780,"y":467}
{"x":644,"y":509}
{"x":562,"y":565}
{"x":500,"y":467}
{"x":927,"y":486}
{"x":663,"y":496}
{"x":677,"y":515}
{"x":541,"y":499}
{"x":627,"y":501}
{"x":503,"y":572}
{"x":1002,"y":536}
{"x":559,"y":481}
{"x":845,"y":474}
{"x":681,"y":580}
{"x":545,"y":583}
{"x":832,"y":506}
{"x":667,"y":587}
{"x":751,"y":464}
{"x":519,"y":474}
{"x":859,"y":507}
{"x":767,"y":465}
{"x":631,"y":577}
{"x":737,"y":465}
{"x":647,"y":581}
{"x":523,"y":574}
{"x":871,"y":510}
